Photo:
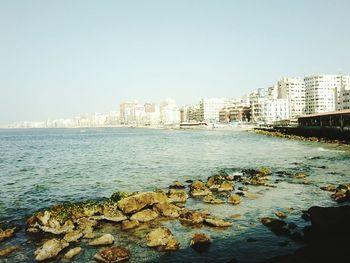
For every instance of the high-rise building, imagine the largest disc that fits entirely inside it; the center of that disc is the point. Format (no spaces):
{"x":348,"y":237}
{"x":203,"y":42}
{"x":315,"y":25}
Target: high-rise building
{"x":127,"y":112}
{"x":293,"y":89}
{"x":321,"y":93}
{"x":343,"y":98}
{"x":169,"y":112}
{"x":210,"y":108}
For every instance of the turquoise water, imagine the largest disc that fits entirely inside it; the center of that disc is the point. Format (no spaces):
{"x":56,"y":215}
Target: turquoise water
{"x":39,"y":168}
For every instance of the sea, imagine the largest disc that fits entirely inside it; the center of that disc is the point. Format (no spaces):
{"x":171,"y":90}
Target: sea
{"x":43,"y":167}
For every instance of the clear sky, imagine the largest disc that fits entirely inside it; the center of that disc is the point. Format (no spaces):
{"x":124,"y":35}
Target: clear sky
{"x":62,"y":58}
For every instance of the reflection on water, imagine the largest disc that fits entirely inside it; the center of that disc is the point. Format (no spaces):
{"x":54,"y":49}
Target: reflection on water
{"x":39,"y":168}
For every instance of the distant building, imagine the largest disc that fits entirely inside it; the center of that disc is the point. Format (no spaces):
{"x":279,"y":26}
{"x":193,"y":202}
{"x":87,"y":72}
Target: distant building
{"x":127,"y":112}
{"x":343,"y":99}
{"x":321,"y":93}
{"x":293,"y":89}
{"x":169,"y":112}
{"x":275,"y":110}
{"x":230,"y":114}
{"x":210,"y":108}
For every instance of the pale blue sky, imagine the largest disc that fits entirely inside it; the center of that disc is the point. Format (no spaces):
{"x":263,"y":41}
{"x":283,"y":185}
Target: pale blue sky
{"x":61,"y":58}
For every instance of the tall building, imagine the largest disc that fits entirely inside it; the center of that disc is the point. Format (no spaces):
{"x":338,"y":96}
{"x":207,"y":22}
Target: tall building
{"x":321,"y":93}
{"x":293,"y":89}
{"x":127,"y":112}
{"x":210,"y":108}
{"x":275,"y":110}
{"x":343,"y":98}
{"x":169,"y":112}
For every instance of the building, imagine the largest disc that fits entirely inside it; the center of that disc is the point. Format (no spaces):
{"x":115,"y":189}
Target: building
{"x":169,"y":112}
{"x":343,"y":98}
{"x":275,"y":110}
{"x":240,"y":114}
{"x":210,"y":108}
{"x":293,"y":89}
{"x":127,"y":112}
{"x":321,"y":93}
{"x":152,"y":115}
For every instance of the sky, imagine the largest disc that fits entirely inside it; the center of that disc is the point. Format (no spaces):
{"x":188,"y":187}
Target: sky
{"x":62,"y":58}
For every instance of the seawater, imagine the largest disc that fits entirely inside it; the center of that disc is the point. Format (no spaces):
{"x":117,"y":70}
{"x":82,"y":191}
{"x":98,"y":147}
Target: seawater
{"x":40,"y":168}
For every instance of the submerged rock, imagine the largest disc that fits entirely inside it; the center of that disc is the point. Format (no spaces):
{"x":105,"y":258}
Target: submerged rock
{"x":112,"y":254}
{"x":200,"y":242}
{"x":72,"y":253}
{"x":277,"y":226}
{"x":300,"y":175}
{"x":136,"y":202}
{"x":177,"y":196}
{"x":212,"y":200}
{"x":163,"y":239}
{"x":167,"y":210}
{"x":129,"y":224}
{"x":144,"y":215}
{"x":234,"y":199}
{"x":177,"y":185}
{"x":280,"y":214}
{"x":7,"y":233}
{"x":329,"y":188}
{"x":8,"y":250}
{"x":106,"y":239}
{"x":50,"y":249}
{"x":198,"y":188}
{"x":217,"y":222}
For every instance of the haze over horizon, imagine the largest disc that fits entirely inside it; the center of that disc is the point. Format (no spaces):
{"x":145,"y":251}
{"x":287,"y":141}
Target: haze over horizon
{"x":62,"y":58}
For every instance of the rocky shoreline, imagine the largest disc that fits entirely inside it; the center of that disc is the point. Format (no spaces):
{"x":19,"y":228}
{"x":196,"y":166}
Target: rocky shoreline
{"x":280,"y":134}
{"x":62,"y":228}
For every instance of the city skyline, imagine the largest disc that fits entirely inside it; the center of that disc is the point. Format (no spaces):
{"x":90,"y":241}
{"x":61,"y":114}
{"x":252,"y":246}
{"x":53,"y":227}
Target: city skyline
{"x":60,"y":59}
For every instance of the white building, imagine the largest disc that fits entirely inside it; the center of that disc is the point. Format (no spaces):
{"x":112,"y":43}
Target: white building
{"x":275,"y":110}
{"x":210,"y":108}
{"x":293,"y":89}
{"x":343,"y":98}
{"x":321,"y":93}
{"x":169,"y":112}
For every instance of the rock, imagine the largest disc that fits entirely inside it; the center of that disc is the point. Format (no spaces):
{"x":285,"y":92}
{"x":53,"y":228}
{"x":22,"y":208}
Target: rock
{"x":177,"y":185}
{"x":342,"y":193}
{"x":7,"y":233}
{"x":50,"y":249}
{"x":280,"y":214}
{"x":191,"y":217}
{"x":277,"y":226}
{"x":217,"y":222}
{"x":299,"y":175}
{"x":8,"y":250}
{"x":198,"y":188}
{"x":236,"y":216}
{"x":177,"y":196}
{"x":255,"y":177}
{"x":90,"y":235}
{"x":200,"y":242}
{"x":73,"y":236}
{"x":243,"y":188}
{"x":86,"y":225}
{"x":111,"y":212}
{"x":72,"y":253}
{"x":136,"y":202}
{"x":234,"y":199}
{"x":212,"y":200}
{"x":292,"y":226}
{"x":54,"y":227}
{"x":106,"y":239}
{"x":129,"y":224}
{"x":225,"y":187}
{"x":112,"y":254}
{"x":167,"y":210}
{"x":144,"y":215}
{"x":163,"y":239}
